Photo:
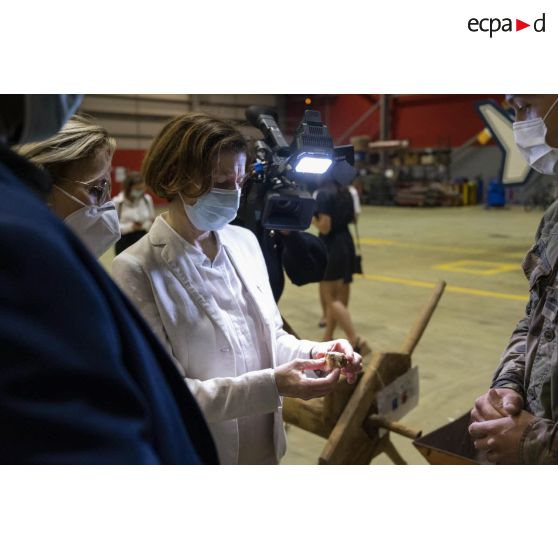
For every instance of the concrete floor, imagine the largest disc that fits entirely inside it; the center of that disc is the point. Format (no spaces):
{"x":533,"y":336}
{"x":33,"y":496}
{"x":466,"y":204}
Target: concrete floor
{"x":405,"y":251}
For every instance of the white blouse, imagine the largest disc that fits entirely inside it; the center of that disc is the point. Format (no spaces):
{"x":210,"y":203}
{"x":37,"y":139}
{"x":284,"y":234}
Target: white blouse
{"x":136,"y":211}
{"x":249,"y":345}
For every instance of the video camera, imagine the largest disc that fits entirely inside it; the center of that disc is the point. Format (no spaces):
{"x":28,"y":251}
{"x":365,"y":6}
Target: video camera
{"x":278,"y":192}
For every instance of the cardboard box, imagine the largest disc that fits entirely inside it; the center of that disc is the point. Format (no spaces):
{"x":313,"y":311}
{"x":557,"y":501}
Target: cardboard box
{"x":449,"y":445}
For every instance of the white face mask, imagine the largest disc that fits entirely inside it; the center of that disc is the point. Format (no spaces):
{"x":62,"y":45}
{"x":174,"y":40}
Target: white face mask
{"x":530,"y":137}
{"x":213,"y":210}
{"x":136,"y":194}
{"x":96,"y":226}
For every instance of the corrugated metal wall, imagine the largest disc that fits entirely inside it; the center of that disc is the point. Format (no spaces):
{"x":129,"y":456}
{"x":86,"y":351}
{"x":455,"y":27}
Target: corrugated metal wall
{"x":135,"y":119}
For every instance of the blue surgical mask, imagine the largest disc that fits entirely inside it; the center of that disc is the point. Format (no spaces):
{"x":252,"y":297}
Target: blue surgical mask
{"x":44,"y":115}
{"x":213,"y":210}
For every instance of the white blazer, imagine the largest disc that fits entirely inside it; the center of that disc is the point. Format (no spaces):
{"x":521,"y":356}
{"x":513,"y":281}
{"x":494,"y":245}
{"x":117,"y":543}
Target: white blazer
{"x":156,"y":274}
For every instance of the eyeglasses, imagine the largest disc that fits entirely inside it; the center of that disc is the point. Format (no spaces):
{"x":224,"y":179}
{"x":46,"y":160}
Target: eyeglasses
{"x":99,"y":189}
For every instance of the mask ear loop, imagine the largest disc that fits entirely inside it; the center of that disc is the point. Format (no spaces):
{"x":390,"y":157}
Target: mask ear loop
{"x":180,"y":196}
{"x":550,"y":109}
{"x":70,"y":196}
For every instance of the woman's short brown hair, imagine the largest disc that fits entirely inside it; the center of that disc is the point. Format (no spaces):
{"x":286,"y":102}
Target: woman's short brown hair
{"x":183,"y":155}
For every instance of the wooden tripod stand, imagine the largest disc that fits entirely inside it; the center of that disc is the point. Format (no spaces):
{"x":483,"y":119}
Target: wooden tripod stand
{"x":347,"y":418}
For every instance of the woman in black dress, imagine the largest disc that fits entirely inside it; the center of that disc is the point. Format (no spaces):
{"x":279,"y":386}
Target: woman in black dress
{"x":334,"y":211}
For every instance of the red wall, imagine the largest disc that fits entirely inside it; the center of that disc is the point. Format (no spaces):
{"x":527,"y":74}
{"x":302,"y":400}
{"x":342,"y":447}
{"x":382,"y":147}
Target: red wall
{"x":129,"y":158}
{"x":338,"y":112}
{"x":425,"y":120}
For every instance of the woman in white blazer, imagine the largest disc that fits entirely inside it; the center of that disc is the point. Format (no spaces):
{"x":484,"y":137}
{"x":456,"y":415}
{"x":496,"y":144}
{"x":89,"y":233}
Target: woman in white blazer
{"x":202,"y":284}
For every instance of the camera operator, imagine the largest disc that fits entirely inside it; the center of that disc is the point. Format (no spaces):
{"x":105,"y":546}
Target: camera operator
{"x":276,"y":203}
{"x":301,"y":255}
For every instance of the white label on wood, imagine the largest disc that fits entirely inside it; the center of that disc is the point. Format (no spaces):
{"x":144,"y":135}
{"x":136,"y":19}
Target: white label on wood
{"x":398,"y":398}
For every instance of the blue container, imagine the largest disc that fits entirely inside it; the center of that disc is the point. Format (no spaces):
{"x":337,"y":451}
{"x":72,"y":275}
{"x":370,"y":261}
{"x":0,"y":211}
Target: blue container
{"x":496,"y":196}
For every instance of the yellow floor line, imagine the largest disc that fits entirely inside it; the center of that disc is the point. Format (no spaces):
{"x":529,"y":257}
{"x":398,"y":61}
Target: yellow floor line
{"x":478,"y":267}
{"x":449,"y":288}
{"x":437,"y":248}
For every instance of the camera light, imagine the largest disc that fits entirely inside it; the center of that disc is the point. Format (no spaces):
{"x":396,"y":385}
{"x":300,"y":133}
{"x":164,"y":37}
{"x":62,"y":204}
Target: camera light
{"x":313,"y":165}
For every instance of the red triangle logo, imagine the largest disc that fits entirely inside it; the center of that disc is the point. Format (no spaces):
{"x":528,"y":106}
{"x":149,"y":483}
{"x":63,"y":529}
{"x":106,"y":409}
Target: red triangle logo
{"x":519,"y":25}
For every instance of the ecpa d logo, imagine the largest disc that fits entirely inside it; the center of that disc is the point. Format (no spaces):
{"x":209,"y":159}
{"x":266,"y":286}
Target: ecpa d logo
{"x":493,"y":25}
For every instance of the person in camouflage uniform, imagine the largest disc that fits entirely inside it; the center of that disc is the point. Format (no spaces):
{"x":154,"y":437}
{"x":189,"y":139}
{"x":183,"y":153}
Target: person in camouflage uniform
{"x":516,"y":421}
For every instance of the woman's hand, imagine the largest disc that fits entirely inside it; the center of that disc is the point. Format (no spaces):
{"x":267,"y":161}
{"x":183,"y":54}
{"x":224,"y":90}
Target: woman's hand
{"x":340,"y":346}
{"x":292,"y":382}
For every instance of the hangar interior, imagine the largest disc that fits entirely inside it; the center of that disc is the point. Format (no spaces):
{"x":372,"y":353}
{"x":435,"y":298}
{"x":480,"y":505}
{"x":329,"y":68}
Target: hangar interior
{"x":433,"y":208}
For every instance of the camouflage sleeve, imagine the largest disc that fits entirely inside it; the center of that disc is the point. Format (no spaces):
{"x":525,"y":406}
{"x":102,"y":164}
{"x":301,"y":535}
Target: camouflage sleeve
{"x":539,"y":444}
{"x":511,"y":370}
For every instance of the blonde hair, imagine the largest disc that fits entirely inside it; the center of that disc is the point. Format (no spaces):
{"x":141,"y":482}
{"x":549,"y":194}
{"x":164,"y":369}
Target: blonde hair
{"x":80,"y":138}
{"x":182,"y":157}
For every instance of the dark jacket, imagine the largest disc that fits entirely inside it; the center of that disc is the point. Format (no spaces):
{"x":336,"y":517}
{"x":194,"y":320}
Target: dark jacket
{"x":82,"y":377}
{"x":302,"y":255}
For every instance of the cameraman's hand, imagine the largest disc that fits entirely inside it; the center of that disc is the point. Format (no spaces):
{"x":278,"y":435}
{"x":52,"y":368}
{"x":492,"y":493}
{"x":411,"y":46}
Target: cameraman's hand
{"x":340,"y":346}
{"x":292,"y":382}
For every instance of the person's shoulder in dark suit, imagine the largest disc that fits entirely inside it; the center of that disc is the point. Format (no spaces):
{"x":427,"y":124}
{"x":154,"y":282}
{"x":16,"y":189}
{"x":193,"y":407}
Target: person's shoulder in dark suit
{"x":82,"y":378}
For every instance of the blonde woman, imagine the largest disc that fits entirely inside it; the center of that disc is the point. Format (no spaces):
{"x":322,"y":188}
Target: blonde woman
{"x":83,"y":378}
{"x":203,"y":286}
{"x":78,"y":160}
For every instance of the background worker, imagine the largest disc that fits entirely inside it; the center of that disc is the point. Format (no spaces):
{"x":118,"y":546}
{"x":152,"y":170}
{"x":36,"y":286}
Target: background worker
{"x":333,"y":213}
{"x":135,"y":209}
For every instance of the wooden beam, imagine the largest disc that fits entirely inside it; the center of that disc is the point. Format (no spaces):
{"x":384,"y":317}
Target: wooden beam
{"x":348,"y":442}
{"x":422,"y":322}
{"x":308,"y":415}
{"x":374,"y":422}
{"x":318,"y":415}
